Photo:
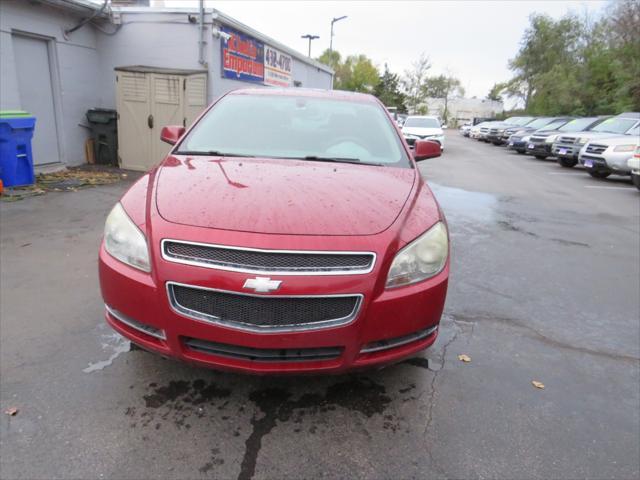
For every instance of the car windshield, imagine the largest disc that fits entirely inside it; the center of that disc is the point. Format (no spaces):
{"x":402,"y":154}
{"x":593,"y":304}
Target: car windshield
{"x":297,"y":127}
{"x":635,"y":131}
{"x":539,"y":123}
{"x":554,"y":125}
{"x":578,"y":125}
{"x":421,"y":122}
{"x":615,"y":125}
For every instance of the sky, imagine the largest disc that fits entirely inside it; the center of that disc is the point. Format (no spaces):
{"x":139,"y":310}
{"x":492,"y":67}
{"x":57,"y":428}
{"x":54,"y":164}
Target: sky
{"x":473,"y":40}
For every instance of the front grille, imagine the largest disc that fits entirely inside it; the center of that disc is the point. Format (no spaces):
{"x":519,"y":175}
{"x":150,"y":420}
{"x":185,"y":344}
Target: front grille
{"x":567,"y":140}
{"x":262,"y":312}
{"x":262,"y":354}
{"x":596,"y":148}
{"x":537,"y":139}
{"x":268,"y":261}
{"x":484,"y":130}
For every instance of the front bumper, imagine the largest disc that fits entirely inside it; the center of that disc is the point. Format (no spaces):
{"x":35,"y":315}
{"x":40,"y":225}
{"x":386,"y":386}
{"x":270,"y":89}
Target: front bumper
{"x":516,"y":144}
{"x":542,"y":149}
{"x":495,"y":138}
{"x":390,"y":325}
{"x":612,"y":162}
{"x":561,"y":150}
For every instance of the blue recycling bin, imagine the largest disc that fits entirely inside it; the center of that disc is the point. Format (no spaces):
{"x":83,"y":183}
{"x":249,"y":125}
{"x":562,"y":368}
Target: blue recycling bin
{"x":16,"y":158}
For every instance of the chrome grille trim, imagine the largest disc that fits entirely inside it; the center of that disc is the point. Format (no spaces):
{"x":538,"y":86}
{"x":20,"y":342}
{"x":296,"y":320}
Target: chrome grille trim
{"x":130,"y":322}
{"x":342,"y":270}
{"x":596,"y":148}
{"x":195,"y":315}
{"x":398,"y":341}
{"x":567,"y":140}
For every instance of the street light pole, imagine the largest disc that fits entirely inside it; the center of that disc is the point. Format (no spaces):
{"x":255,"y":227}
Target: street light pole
{"x":310,"y":37}
{"x":331,"y":39}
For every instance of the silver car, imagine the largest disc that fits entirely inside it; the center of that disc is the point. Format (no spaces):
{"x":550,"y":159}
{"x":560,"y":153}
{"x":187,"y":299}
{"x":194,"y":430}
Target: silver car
{"x":605,"y":156}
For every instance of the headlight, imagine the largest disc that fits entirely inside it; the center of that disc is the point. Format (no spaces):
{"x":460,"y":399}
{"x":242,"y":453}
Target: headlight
{"x":582,"y":140}
{"x":551,"y":139}
{"x":501,"y":130}
{"x":624,"y":148}
{"x":124,"y":240}
{"x":421,"y":259}
{"x":526,"y":138}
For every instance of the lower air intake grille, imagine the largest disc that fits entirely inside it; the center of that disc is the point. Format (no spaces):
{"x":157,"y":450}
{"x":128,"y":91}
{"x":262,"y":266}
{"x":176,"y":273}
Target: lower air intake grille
{"x":263,"y":354}
{"x":257,"y":312}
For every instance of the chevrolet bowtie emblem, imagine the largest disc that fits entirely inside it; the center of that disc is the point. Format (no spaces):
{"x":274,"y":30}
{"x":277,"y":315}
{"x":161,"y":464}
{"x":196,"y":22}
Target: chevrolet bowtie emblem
{"x":262,"y":284}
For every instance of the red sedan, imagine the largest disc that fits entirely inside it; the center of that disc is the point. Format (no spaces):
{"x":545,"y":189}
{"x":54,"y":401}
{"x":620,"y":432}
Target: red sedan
{"x":287,"y":231}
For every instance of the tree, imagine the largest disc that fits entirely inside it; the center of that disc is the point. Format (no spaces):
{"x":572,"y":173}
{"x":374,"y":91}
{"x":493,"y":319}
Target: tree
{"x":444,"y":87}
{"x":496,"y":92}
{"x":413,"y":82}
{"x":357,"y":73}
{"x":388,"y":91}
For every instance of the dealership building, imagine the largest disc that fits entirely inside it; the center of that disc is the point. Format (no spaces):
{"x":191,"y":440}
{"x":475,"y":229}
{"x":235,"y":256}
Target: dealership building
{"x":60,"y":58}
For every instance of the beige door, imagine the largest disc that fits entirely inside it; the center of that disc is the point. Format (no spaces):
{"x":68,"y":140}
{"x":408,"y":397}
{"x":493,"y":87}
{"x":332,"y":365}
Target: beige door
{"x":166,"y":109}
{"x":133,"y":103}
{"x":195,"y":98}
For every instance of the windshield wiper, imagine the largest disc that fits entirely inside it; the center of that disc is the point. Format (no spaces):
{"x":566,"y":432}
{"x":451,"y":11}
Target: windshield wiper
{"x":316,"y":158}
{"x":210,"y":153}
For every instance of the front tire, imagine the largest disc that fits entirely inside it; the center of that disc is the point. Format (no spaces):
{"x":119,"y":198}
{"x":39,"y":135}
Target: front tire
{"x":636,"y":180}
{"x":599,"y":174}
{"x":567,"y":162}
{"x":541,"y":157}
{"x":520,"y":151}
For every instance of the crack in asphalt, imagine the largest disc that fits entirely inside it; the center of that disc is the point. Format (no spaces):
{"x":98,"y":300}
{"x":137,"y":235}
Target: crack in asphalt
{"x":536,"y":334}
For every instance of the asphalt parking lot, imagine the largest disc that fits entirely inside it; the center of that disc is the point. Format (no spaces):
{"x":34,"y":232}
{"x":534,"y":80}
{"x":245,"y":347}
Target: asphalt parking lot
{"x":545,"y":286}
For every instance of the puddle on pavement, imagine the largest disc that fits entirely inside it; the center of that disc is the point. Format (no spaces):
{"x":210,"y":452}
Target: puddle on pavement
{"x":463,"y":205}
{"x":112,"y":344}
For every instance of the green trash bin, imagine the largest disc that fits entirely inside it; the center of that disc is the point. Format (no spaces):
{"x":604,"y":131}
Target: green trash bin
{"x":104,"y":130}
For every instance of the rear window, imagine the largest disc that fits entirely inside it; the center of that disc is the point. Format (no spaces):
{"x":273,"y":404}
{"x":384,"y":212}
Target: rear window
{"x":295,"y":127}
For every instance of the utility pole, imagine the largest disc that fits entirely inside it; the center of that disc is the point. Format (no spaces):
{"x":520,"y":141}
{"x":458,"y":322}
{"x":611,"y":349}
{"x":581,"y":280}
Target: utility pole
{"x":331,"y":39}
{"x":310,"y":37}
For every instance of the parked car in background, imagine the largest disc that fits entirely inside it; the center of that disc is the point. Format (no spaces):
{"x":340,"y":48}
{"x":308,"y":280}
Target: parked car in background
{"x":567,"y":147}
{"x":496,"y":131}
{"x":519,"y":139}
{"x":634,"y":165}
{"x":423,"y":127}
{"x":465,"y":130}
{"x":230,"y":255}
{"x":402,"y":117}
{"x":541,"y":142}
{"x":605,"y":156}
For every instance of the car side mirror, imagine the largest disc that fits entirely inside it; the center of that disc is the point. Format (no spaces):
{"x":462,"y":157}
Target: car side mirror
{"x":171,"y":134}
{"x":423,"y":149}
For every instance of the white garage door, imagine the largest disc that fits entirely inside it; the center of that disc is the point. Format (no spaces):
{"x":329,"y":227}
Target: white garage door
{"x":36,"y":95}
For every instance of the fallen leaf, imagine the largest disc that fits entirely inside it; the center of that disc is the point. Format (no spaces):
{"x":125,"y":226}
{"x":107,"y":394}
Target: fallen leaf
{"x":537,"y":384}
{"x":11,"y":411}
{"x":464,"y":358}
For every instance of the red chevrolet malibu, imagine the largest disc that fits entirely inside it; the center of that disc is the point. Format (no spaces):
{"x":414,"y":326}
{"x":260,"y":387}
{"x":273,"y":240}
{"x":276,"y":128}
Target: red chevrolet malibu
{"x":287,"y":231}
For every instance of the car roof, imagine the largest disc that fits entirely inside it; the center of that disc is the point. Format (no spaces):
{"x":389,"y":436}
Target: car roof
{"x":307,"y":92}
{"x":635,"y":115}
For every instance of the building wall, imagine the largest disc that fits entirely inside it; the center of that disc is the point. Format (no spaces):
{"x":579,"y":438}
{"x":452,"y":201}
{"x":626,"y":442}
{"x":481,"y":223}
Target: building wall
{"x":169,"y":40}
{"x":84,"y":63}
{"x":74,"y":63}
{"x":463,"y":110}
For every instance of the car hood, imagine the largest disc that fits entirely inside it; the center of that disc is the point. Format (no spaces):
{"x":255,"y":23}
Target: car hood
{"x":615,"y":140}
{"x":590,"y":135}
{"x":421,"y":132}
{"x":276,"y":196}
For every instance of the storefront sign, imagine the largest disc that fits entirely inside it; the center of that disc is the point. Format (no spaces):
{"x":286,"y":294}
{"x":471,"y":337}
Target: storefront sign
{"x":243,"y":57}
{"x":277,"y":68}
